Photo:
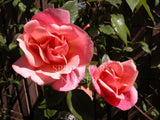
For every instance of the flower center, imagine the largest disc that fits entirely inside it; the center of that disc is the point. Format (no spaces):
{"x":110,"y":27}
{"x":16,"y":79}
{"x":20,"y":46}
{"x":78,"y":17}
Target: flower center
{"x":57,"y":49}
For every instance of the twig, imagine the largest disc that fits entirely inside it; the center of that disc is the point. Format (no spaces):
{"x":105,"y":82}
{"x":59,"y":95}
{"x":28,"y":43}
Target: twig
{"x":142,"y":112}
{"x":154,"y":28}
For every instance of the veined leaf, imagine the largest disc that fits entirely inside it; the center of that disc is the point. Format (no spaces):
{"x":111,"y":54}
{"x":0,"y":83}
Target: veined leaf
{"x":118,"y":23}
{"x":72,"y":7}
{"x":132,"y":4}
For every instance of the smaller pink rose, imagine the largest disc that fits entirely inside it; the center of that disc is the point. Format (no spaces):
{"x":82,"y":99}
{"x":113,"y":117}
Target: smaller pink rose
{"x":114,"y":80}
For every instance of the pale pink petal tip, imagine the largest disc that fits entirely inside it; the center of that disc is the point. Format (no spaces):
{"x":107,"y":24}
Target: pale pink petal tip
{"x":129,"y":100}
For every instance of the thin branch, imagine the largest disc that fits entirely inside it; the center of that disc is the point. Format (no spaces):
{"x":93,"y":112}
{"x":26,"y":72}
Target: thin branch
{"x":154,"y":28}
{"x":143,"y":113}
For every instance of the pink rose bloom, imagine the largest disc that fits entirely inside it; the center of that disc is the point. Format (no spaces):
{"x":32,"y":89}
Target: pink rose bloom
{"x":114,"y":80}
{"x":55,"y":51}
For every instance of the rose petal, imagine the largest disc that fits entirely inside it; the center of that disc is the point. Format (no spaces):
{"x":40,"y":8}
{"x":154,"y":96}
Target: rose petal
{"x":47,"y":78}
{"x":40,"y":35}
{"x":52,"y":16}
{"x":72,"y":64}
{"x":108,"y":91}
{"x":82,"y":45}
{"x":92,"y":70}
{"x":61,"y":30}
{"x":111,"y":66}
{"x":58,"y":53}
{"x":40,"y":52}
{"x":130,"y":74}
{"x":33,"y":58}
{"x":69,"y":81}
{"x":30,"y":26}
{"x":116,"y":66}
{"x":49,"y":69}
{"x":108,"y":79}
{"x":22,"y":67}
{"x":130,"y":99}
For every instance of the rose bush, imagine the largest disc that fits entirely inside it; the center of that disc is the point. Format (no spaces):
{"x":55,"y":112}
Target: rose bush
{"x":55,"y":51}
{"x":114,"y":81}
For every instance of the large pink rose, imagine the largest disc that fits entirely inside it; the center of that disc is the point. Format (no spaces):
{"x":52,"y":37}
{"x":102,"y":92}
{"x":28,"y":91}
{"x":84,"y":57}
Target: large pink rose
{"x":114,"y":81}
{"x":55,"y":51}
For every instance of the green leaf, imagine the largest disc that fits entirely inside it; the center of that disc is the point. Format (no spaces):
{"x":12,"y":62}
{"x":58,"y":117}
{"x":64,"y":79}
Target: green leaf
{"x":132,"y":4}
{"x":22,"y":7}
{"x":86,"y":79}
{"x":95,"y":51}
{"x":2,"y":3}
{"x":128,"y":49}
{"x":116,"y":48}
{"x":93,"y":32}
{"x":16,"y":36}
{"x":34,"y":10}
{"x":21,"y":52}
{"x":156,"y":2}
{"x":94,"y":63}
{"x":8,"y":96}
{"x":105,"y":58}
{"x":135,"y":85}
{"x":20,"y":26}
{"x":144,"y":106}
{"x":72,"y":7}
{"x":114,"y":2}
{"x":139,"y":5}
{"x":4,"y":83}
{"x":15,"y":2}
{"x":155,"y":112}
{"x":106,"y":29}
{"x":42,"y":105}
{"x":70,"y":106}
{"x":118,"y":23}
{"x":145,"y":47}
{"x":128,"y":32}
{"x":2,"y":40}
{"x":48,"y":113}
{"x":9,"y":79}
{"x":16,"y":83}
{"x":144,"y":3}
{"x":12,"y":46}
